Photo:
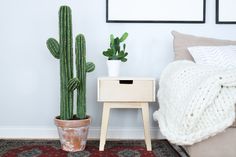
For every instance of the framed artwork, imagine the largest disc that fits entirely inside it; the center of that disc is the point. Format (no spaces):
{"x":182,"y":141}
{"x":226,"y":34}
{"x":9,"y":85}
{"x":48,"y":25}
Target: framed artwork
{"x":155,"y":11}
{"x":225,"y":12}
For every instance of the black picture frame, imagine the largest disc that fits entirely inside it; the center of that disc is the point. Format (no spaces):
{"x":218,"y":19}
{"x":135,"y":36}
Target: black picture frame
{"x":218,"y":21}
{"x":158,"y":21}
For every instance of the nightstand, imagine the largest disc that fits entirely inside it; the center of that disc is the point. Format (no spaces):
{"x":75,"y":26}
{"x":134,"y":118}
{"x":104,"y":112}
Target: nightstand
{"x":124,"y":92}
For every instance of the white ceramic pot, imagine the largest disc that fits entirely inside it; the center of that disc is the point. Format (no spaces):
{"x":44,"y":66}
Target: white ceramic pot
{"x":113,"y":67}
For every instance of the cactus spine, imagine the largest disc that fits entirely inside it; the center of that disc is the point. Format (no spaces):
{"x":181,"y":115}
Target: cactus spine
{"x":64,"y":52}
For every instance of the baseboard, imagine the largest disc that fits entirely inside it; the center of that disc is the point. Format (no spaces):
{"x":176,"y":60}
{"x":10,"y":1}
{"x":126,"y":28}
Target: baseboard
{"x":94,"y":133}
{"x":28,"y":133}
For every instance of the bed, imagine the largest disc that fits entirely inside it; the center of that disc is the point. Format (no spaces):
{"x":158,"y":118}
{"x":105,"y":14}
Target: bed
{"x":222,"y":144}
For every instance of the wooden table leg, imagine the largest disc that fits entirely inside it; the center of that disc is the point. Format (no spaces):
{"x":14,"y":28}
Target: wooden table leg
{"x":145,"y":113}
{"x":105,"y":119}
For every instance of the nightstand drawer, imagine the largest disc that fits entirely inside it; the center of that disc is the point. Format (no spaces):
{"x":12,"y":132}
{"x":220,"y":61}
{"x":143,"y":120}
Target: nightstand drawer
{"x":129,"y":90}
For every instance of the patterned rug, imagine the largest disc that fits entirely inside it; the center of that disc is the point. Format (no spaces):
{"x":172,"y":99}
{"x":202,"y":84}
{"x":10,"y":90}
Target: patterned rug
{"x":51,"y":148}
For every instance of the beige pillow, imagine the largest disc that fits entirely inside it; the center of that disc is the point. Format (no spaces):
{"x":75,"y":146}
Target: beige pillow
{"x":183,"y":41}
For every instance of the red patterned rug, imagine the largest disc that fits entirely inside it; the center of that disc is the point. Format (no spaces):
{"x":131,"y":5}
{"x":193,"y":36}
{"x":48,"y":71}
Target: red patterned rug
{"x":51,"y":148}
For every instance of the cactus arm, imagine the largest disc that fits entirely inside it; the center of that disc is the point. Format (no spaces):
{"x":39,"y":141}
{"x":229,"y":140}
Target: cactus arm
{"x":122,"y":54}
{"x":105,"y":53}
{"x":53,"y":47}
{"x":123,"y":59}
{"x":111,"y":39}
{"x":116,"y":45}
{"x":124,"y":46}
{"x":123,"y":37}
{"x":108,"y":53}
{"x":90,"y":67}
{"x":73,"y":84}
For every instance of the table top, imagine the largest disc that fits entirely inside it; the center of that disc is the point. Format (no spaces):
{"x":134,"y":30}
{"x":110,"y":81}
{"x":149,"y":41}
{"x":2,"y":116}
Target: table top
{"x":126,"y":78}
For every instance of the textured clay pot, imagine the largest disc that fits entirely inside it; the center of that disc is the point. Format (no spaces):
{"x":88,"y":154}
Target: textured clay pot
{"x":73,"y":133}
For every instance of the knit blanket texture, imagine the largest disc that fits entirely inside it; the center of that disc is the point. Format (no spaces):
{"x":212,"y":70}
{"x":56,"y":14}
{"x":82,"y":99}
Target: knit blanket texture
{"x":195,"y":101}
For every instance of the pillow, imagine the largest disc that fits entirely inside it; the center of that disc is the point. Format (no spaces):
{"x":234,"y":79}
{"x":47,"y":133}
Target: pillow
{"x":221,"y":56}
{"x":183,"y":41}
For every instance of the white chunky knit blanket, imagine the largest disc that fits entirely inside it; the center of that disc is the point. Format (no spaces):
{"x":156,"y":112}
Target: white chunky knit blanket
{"x":195,"y":101}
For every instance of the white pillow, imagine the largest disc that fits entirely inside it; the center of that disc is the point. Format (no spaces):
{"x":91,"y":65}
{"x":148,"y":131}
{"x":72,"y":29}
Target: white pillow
{"x":222,"y":56}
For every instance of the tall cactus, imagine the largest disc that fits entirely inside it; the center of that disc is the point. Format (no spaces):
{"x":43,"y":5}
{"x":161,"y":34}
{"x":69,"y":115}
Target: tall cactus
{"x":82,"y":68}
{"x":64,"y":52}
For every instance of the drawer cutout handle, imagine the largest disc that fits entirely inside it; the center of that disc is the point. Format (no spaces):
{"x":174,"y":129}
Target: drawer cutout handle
{"x":126,"y":81}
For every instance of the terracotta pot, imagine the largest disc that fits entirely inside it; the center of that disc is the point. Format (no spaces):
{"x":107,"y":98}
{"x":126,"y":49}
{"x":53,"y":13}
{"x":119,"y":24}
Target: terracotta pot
{"x":73,"y":133}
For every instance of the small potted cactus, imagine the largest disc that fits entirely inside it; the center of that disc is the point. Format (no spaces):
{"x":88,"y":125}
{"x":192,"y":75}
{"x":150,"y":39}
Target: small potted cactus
{"x":115,"y":54}
{"x":72,"y":128}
